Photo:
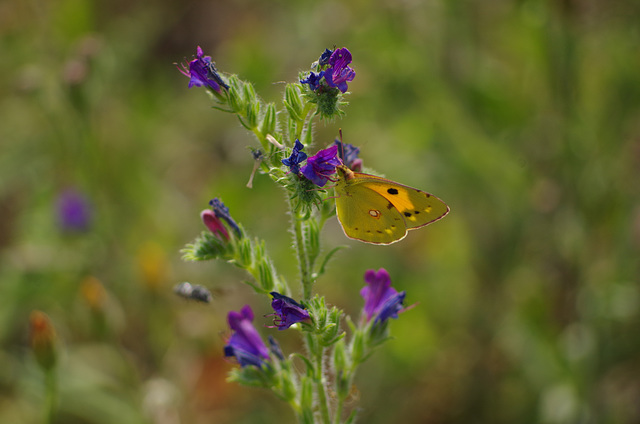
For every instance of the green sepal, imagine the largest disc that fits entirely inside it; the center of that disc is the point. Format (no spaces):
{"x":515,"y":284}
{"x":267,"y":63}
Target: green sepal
{"x":237,"y":101}
{"x":340,"y":358}
{"x":205,"y":247}
{"x":269,"y":120}
{"x":264,"y":376}
{"x":326,"y":321}
{"x":358,"y":346}
{"x":293,"y":101}
{"x":252,"y":113}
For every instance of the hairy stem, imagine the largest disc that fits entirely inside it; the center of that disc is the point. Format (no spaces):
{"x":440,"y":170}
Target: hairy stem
{"x":319,"y":379}
{"x":303,"y":257}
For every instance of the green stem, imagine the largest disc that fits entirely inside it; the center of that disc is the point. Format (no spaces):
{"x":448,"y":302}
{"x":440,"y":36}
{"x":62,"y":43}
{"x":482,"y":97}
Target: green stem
{"x":262,"y":138}
{"x":342,"y":396}
{"x":51,"y":389}
{"x":303,"y":259}
{"x":322,"y":396}
{"x":338,"y":413}
{"x":300,"y":124}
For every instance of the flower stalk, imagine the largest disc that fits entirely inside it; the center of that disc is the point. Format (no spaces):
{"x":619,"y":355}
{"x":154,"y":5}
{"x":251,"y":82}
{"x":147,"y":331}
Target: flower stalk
{"x":318,"y":394}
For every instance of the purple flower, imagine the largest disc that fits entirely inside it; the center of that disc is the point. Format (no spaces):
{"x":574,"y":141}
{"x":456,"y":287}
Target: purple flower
{"x":245,"y":343}
{"x":74,"y":212}
{"x":380,"y":299}
{"x":297,"y":156}
{"x":213,"y":223}
{"x":202,"y":72}
{"x":322,"y":165}
{"x":339,"y":73}
{"x":313,"y":80}
{"x":222,"y":212}
{"x":349,"y":155}
{"x":287,"y":311}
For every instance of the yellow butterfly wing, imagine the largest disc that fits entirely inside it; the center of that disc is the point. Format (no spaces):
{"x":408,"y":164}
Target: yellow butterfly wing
{"x":418,"y":207}
{"x":367,"y":216}
{"x":382,"y":219}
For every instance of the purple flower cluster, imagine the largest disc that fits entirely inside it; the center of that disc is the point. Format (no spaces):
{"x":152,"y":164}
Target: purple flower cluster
{"x":381,"y":302}
{"x":339,"y":72}
{"x":213,"y":219}
{"x":318,"y":168}
{"x":245,"y":343}
{"x":333,"y":67}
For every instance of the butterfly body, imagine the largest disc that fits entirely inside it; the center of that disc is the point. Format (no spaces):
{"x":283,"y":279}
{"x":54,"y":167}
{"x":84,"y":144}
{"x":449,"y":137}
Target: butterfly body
{"x":376,"y":210}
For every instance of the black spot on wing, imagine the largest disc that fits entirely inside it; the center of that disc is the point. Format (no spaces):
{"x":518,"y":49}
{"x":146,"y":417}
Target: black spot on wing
{"x":392,"y":191}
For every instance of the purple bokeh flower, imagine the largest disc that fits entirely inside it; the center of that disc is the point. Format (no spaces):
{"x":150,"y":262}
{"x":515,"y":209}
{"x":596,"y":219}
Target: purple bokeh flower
{"x":339,"y":73}
{"x":222,"y":212}
{"x":202,"y":72}
{"x":380,"y":299}
{"x":349,"y":155}
{"x":321,"y":166}
{"x":287,"y":311}
{"x":74,"y":211}
{"x":245,"y":343}
{"x":297,"y":156}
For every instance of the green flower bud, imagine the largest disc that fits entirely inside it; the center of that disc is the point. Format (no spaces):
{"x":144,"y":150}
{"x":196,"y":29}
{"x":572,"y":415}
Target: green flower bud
{"x":245,"y":254}
{"x":237,"y":100}
{"x":43,"y":340}
{"x":265,"y":271}
{"x":253,"y":111}
{"x":293,"y":101}
{"x":340,"y":360}
{"x":358,"y":346}
{"x":269,"y":120}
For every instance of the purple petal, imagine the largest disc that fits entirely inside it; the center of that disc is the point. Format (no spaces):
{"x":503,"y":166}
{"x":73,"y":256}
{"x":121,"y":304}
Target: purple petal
{"x":377,"y":291}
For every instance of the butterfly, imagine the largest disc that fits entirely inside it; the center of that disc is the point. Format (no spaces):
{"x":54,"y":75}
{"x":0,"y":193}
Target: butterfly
{"x":379,"y":211}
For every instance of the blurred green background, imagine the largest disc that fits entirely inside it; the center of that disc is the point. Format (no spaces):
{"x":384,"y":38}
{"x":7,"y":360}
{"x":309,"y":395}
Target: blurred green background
{"x":524,"y":116}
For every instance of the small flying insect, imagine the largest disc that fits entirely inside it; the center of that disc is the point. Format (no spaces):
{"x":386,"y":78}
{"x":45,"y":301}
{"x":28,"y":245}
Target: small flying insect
{"x":193,"y":292}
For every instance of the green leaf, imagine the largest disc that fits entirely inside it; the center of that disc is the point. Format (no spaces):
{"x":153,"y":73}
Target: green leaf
{"x":327,"y":257}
